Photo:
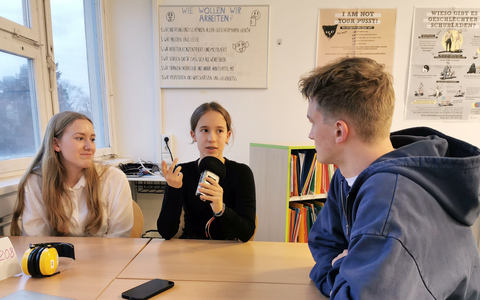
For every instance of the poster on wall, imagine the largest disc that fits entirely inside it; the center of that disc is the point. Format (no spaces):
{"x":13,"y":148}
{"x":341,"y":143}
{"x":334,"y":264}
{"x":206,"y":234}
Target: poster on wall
{"x":444,"y":75}
{"x":356,"y":32}
{"x":213,"y":46}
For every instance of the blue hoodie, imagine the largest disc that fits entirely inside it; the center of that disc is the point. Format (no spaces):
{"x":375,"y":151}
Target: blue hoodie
{"x":405,"y":222}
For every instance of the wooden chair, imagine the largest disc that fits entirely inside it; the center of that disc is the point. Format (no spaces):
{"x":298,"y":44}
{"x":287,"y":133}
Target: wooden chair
{"x":137,"y":221}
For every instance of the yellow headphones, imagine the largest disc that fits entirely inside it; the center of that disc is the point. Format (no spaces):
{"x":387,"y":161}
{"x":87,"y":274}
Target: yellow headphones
{"x":41,"y":260}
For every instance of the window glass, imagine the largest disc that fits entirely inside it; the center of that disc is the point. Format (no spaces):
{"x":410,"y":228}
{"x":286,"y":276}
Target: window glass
{"x":76,"y":40}
{"x":26,"y":103}
{"x":14,"y":10}
{"x":19,"y":130}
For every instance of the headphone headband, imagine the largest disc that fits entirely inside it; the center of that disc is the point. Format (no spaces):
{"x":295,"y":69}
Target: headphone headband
{"x":63,"y":249}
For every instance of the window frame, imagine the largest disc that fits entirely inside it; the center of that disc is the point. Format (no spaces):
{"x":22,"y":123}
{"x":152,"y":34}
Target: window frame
{"x":36,"y":43}
{"x":28,"y":49}
{"x":22,"y":31}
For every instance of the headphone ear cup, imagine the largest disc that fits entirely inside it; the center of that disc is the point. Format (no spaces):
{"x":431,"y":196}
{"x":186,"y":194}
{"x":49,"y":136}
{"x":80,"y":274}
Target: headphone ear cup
{"x":25,"y":258}
{"x":48,"y":261}
{"x":36,"y":263}
{"x":32,"y":262}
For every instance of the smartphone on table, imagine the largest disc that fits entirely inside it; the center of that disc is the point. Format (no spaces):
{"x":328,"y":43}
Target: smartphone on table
{"x":148,"y":289}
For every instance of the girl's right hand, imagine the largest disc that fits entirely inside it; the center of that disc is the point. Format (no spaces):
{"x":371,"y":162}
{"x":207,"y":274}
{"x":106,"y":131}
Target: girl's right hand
{"x":173,"y":176}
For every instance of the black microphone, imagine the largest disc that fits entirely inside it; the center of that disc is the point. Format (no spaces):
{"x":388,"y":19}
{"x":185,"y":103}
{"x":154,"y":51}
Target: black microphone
{"x":210,"y":167}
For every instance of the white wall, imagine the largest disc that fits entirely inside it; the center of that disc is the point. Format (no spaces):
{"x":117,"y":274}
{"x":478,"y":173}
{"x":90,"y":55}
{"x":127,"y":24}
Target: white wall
{"x":276,"y":114}
{"x":273,"y":115}
{"x":130,"y":57}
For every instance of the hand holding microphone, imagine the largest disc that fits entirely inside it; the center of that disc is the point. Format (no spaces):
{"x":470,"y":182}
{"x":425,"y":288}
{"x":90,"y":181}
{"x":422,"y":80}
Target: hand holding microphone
{"x":212,"y":171}
{"x":212,"y":192}
{"x":173,"y":176}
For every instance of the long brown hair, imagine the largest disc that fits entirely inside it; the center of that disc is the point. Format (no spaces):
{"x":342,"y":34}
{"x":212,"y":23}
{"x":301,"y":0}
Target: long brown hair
{"x":47,"y":164}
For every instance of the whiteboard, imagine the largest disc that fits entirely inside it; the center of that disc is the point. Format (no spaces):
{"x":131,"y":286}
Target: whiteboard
{"x":213,"y":46}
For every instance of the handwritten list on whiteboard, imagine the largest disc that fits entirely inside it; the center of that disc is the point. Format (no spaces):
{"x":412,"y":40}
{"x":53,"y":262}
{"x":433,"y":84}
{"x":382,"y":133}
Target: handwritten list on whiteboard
{"x":213,"y":46}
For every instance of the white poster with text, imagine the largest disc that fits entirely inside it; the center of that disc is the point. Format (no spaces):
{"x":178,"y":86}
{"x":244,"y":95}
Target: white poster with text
{"x":213,"y":46}
{"x":444,"y":77}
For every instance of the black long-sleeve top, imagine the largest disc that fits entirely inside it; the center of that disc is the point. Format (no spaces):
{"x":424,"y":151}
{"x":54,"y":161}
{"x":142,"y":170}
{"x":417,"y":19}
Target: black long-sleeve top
{"x":238,"y":220}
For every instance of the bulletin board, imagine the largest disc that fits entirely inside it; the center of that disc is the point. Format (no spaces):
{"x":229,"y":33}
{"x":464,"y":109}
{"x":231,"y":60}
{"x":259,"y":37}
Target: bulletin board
{"x":213,"y":46}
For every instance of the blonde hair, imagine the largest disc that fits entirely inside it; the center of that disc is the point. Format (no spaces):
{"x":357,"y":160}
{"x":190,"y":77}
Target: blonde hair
{"x":356,"y":88}
{"x":47,"y":164}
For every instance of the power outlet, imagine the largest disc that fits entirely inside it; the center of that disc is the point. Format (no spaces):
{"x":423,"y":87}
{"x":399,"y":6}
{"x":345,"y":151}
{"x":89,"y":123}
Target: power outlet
{"x":165,"y":153}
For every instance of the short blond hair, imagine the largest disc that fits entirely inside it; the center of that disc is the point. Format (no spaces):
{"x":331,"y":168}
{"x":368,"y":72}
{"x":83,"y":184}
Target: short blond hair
{"x":355,"y":88}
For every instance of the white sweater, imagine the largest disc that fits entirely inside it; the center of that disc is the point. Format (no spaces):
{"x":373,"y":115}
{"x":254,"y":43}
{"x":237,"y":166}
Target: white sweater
{"x":115,"y":197}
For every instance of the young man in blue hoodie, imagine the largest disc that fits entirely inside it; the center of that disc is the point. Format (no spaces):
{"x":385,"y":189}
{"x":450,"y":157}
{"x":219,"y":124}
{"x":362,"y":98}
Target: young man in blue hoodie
{"x":396,"y":223}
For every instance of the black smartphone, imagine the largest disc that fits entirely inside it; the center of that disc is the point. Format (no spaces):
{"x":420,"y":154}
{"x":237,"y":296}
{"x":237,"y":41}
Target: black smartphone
{"x":148,"y":289}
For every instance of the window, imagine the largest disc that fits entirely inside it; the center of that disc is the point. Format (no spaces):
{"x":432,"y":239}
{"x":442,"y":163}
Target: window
{"x":48,"y":68}
{"x":13,"y":10}
{"x":80,"y":85}
{"x":19,"y":129}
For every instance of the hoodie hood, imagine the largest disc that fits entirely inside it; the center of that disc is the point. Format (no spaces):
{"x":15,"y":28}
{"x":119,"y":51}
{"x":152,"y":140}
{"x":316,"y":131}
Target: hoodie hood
{"x":448,"y":168}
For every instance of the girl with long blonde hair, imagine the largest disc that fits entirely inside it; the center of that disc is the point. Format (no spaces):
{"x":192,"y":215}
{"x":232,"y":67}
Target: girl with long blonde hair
{"x":64,"y":193}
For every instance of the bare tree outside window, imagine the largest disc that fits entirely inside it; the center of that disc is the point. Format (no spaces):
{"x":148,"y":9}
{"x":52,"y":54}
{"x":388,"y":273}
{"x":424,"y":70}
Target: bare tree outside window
{"x":72,"y":97}
{"x":26,"y":101}
{"x":77,"y":56}
{"x":18,"y":121}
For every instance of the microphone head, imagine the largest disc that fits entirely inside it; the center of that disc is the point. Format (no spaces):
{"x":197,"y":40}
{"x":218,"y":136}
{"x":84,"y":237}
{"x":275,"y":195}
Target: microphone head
{"x":213,"y":165}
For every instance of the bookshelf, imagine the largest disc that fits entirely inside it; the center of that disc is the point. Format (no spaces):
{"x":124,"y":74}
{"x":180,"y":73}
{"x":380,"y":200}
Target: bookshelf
{"x":271,"y":166}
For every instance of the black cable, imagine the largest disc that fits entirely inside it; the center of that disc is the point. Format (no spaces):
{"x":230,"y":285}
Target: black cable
{"x":166,"y":139}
